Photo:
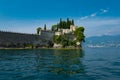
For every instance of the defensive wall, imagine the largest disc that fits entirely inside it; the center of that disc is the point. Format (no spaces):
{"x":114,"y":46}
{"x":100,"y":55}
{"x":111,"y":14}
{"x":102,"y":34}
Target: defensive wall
{"x":10,"y":38}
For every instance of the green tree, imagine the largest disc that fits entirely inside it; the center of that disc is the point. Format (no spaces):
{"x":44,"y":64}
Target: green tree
{"x":54,"y":28}
{"x":61,"y":40}
{"x":68,"y":23}
{"x":72,"y":22}
{"x":60,"y":23}
{"x":57,"y":39}
{"x":38,"y":30}
{"x":65,"y":24}
{"x":79,"y":33}
{"x":45,"y":27}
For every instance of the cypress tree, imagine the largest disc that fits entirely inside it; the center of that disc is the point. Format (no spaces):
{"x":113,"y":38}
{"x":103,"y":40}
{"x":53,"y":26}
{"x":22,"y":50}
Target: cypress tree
{"x":45,"y":27}
{"x":72,"y":22}
{"x":60,"y":24}
{"x":68,"y":23}
{"x":67,"y":20}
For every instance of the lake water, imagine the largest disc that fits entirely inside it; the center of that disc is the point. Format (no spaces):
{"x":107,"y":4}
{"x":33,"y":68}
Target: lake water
{"x":86,"y":64}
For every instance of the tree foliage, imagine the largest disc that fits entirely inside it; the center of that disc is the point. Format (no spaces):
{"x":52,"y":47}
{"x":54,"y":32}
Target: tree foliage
{"x":79,"y":33}
{"x":54,"y":28}
{"x":62,"y":39}
{"x":38,"y":30}
{"x":65,"y":24}
{"x":72,"y":22}
{"x":65,"y":40}
{"x":45,"y":27}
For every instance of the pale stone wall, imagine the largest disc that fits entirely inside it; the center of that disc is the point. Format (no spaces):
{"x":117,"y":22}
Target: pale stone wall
{"x":57,"y":45}
{"x":72,"y":27}
{"x":66,"y":31}
{"x":58,"y":33}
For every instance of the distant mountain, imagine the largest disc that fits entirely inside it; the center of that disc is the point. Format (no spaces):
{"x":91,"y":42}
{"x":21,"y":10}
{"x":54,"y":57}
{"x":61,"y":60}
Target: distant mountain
{"x":103,"y":41}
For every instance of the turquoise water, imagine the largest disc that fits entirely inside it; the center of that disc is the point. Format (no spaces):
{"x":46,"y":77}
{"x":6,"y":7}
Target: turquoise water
{"x":86,"y":64}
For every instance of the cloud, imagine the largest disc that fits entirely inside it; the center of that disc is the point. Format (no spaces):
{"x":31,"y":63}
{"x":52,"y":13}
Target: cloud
{"x":93,"y":15}
{"x":100,"y":26}
{"x":101,"y":11}
{"x":104,"y":11}
{"x":85,"y":17}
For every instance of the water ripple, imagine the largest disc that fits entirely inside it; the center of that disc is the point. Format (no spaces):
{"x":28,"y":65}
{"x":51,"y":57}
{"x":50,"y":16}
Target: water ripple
{"x":90,"y":64}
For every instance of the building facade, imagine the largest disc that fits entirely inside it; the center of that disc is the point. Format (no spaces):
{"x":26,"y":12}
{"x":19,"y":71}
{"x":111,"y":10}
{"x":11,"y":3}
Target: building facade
{"x":65,"y":31}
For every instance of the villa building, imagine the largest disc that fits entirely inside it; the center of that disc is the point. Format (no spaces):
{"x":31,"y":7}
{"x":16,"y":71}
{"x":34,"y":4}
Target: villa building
{"x":65,"y":31}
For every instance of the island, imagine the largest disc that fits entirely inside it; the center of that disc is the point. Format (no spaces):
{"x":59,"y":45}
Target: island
{"x":64,"y":34}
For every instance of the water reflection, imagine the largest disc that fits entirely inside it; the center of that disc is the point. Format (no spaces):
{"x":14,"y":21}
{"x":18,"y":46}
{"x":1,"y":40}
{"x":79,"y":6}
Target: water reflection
{"x":67,"y":62}
{"x":60,"y":61}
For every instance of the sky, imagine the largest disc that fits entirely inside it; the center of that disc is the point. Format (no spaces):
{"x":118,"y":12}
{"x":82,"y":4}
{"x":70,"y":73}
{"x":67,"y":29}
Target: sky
{"x":99,"y":17}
